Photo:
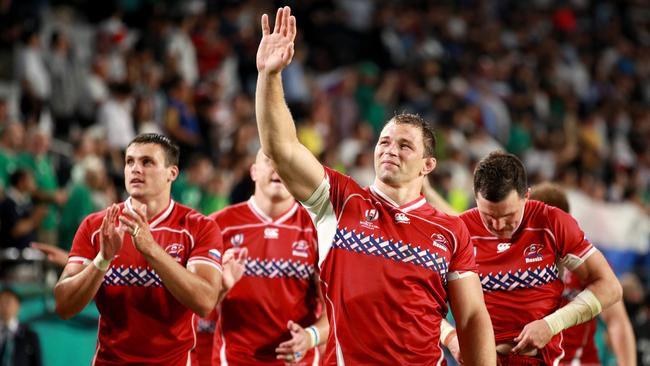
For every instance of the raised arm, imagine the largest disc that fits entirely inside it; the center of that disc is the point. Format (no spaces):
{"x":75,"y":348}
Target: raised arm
{"x":473,"y":324}
{"x":299,"y":169}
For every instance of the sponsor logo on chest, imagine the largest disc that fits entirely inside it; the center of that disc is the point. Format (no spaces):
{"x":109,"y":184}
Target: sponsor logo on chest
{"x":300,"y":248}
{"x":532,"y":253}
{"x":271,"y":233}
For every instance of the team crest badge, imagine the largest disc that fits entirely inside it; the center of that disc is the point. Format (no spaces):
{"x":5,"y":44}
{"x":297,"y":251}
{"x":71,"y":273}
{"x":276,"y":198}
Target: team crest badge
{"x":531,"y":253}
{"x":300,"y":248}
{"x":175,"y":250}
{"x":237,"y":239}
{"x":439,"y":241}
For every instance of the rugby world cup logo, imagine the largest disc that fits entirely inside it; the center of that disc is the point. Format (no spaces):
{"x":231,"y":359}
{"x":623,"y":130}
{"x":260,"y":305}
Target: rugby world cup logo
{"x":371,"y":214}
{"x":237,"y":239}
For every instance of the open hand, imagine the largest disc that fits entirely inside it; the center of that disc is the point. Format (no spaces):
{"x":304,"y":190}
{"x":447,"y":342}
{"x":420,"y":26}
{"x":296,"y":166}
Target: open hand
{"x":110,"y":238}
{"x":294,"y":349}
{"x":234,"y":265}
{"x":134,"y":222}
{"x":276,"y":49}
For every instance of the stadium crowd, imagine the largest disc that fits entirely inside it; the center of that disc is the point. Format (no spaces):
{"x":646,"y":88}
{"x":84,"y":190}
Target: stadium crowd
{"x":564,"y":85}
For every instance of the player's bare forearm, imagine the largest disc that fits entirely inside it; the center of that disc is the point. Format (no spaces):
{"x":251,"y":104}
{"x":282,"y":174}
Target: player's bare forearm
{"x":198,"y":288}
{"x":621,"y":335}
{"x":473,"y":324}
{"x":301,"y":172}
{"x":322,"y":325}
{"x":476,"y":340}
{"x":599,"y":278}
{"x":76,"y":288}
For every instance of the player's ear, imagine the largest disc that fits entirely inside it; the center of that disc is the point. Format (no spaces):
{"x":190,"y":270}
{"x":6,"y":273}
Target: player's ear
{"x":253,"y":171}
{"x":429,"y":165}
{"x":173,"y":173}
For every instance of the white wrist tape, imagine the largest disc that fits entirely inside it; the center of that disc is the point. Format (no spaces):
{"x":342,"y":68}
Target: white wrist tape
{"x":101,"y":263}
{"x":447,"y":332}
{"x":313,"y":336}
{"x":583,"y":308}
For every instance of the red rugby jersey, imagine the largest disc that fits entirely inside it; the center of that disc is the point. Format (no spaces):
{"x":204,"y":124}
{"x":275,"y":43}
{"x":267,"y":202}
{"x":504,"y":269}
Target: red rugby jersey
{"x":520,"y":275}
{"x":278,"y":284}
{"x":140,"y":320}
{"x":384,"y":273}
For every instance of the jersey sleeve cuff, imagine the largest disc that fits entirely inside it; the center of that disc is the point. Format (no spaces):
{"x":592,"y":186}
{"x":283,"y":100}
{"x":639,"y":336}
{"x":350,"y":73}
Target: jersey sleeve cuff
{"x":457,"y":275}
{"x":572,"y":261}
{"x":79,"y":260}
{"x":206,"y":261}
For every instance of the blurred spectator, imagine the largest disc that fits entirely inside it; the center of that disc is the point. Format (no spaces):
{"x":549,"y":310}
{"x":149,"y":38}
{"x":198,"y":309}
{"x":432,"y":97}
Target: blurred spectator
{"x":115,"y":116}
{"x":181,"y":51}
{"x":37,"y":160}
{"x":35,"y":79}
{"x":19,"y":345}
{"x":181,"y":122}
{"x":19,"y":216}
{"x":89,"y":195}
{"x":64,"y":84}
{"x":12,"y":139}
{"x":188,"y":188}
{"x":94,"y":90}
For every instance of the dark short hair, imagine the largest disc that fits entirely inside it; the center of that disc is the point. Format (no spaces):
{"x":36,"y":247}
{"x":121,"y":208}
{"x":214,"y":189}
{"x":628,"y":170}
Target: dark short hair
{"x":551,"y":194}
{"x":18,"y":176}
{"x":171,"y":150}
{"x":498,"y":174}
{"x":428,"y":136}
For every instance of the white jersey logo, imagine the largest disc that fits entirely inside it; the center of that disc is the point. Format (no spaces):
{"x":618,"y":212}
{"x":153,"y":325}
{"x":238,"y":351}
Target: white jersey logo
{"x":300,"y":248}
{"x":439,"y":241}
{"x":271,"y":233}
{"x":502,"y":247}
{"x":401,"y":218}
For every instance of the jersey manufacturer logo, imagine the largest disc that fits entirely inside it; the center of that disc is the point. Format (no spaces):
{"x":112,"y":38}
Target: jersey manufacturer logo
{"x":237,"y":239}
{"x":439,"y":241}
{"x":271,"y":233}
{"x":531,"y":253}
{"x":300,"y":248}
{"x":371,"y":214}
{"x":175,"y":250}
{"x":502,"y":247}
{"x":401,"y":218}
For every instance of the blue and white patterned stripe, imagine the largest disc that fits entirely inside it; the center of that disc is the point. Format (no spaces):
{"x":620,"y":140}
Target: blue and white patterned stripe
{"x":521,"y":279}
{"x":278,"y":268}
{"x":396,"y":251}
